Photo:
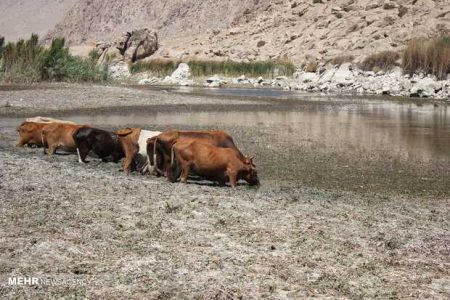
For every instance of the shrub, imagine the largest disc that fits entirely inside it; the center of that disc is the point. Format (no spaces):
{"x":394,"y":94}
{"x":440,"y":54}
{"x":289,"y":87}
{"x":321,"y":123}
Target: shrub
{"x":385,"y":61}
{"x":428,"y":56}
{"x":28,"y":61}
{"x":2,"y":43}
{"x":311,"y":67}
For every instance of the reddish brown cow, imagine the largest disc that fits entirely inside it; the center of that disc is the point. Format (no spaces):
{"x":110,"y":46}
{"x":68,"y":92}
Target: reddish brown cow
{"x":211,"y":162}
{"x":30,"y":130}
{"x":134,"y":141}
{"x":59,"y":135}
{"x":30,"y":134}
{"x":159,"y":147}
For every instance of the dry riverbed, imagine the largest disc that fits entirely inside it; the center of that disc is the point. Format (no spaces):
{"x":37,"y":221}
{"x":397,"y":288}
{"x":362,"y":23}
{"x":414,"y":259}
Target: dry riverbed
{"x":352,"y":232}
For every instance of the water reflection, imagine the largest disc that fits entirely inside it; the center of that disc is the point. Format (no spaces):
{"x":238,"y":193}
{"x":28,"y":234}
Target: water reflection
{"x":403,"y":130}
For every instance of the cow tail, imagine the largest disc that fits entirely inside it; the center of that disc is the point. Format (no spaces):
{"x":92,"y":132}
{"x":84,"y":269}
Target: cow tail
{"x":172,"y":157}
{"x":43,"y":141}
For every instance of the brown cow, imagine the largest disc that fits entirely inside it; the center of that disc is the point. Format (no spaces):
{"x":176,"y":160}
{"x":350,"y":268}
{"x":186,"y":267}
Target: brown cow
{"x":211,"y":162}
{"x":159,"y":147}
{"x":30,"y":130}
{"x":134,"y":142}
{"x":59,"y":135}
{"x":30,"y":134}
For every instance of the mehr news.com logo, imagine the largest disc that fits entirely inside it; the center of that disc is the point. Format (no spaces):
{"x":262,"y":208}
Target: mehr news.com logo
{"x":31,"y":281}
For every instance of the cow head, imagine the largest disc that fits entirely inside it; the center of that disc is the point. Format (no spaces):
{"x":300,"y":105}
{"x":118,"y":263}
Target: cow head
{"x":250,"y":174}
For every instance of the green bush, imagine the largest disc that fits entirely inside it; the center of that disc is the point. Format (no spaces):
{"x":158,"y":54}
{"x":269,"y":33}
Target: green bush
{"x":2,"y":43}
{"x":29,"y":61}
{"x":227,"y":68}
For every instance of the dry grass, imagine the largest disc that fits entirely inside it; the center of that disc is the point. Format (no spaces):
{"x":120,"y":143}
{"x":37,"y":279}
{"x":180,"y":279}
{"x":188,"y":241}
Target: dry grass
{"x":385,"y":61}
{"x":428,"y":56}
{"x":311,"y":67}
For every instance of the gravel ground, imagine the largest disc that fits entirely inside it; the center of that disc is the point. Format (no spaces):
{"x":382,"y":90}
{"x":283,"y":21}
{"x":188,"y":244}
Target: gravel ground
{"x":114,"y":236}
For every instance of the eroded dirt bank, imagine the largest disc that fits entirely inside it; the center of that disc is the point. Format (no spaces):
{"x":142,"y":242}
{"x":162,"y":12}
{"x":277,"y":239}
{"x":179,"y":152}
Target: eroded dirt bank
{"x":143,"y":237}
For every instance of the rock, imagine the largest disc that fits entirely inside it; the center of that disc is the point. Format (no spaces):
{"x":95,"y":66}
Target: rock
{"x":148,"y":80}
{"x":215,"y":81}
{"x":307,"y":77}
{"x":129,"y":47}
{"x":110,"y":55}
{"x":425,"y":87}
{"x":327,"y":75}
{"x":242,"y":78}
{"x":137,"y":44}
{"x":119,"y":70}
{"x":182,"y":72}
{"x":343,"y":75}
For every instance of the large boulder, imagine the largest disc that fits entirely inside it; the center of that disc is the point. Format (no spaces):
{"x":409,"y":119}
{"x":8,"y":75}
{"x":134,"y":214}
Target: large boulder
{"x":137,"y":44}
{"x":129,"y":47}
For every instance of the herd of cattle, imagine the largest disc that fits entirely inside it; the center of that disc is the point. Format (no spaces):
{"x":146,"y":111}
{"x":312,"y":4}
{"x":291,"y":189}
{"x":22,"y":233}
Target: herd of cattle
{"x":175,"y":154}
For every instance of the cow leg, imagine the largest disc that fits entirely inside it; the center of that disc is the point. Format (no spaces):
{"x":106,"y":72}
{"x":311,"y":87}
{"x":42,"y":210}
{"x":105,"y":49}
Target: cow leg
{"x":82,"y":151}
{"x":52,"y":149}
{"x":127,"y":164}
{"x":20,"y":144}
{"x":130,"y":157}
{"x":233,"y":178}
{"x":79,"y":156}
{"x":184,"y":172}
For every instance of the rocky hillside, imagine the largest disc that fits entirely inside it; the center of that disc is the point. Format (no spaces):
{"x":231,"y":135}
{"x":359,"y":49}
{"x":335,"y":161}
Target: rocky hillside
{"x":260,"y":29}
{"x":20,"y":18}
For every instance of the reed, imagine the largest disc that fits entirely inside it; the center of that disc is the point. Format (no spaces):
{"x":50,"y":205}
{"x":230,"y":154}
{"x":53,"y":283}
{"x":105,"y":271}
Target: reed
{"x":385,"y":60}
{"x":26,"y":60}
{"x":200,"y":68}
{"x":428,"y":56}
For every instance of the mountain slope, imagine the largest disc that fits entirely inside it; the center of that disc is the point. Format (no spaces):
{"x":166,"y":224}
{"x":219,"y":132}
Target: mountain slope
{"x":20,"y":18}
{"x":261,"y":29}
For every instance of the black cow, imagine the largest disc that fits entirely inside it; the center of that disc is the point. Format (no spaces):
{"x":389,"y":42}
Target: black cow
{"x":104,"y":144}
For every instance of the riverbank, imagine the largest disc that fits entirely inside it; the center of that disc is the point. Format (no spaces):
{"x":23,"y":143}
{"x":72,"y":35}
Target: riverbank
{"x":326,"y":222}
{"x":332,"y":79}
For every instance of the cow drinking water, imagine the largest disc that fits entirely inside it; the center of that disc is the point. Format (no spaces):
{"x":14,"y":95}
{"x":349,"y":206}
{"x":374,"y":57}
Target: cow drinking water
{"x":213,"y":163}
{"x":159,"y":147}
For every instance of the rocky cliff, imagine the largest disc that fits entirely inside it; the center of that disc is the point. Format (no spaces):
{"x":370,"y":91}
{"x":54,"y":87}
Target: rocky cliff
{"x":260,"y":29}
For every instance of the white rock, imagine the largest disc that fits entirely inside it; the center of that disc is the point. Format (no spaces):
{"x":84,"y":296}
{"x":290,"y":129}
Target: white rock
{"x":343,"y":75}
{"x":308,"y":77}
{"x":119,"y":70}
{"x":147,"y":80}
{"x":181,"y":73}
{"x":425,"y":87}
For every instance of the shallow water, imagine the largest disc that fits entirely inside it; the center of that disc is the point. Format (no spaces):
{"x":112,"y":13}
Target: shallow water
{"x":405,"y":129}
{"x":338,"y":142}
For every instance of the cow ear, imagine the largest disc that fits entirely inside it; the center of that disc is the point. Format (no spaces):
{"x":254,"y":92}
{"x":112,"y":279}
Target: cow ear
{"x":124,"y":132}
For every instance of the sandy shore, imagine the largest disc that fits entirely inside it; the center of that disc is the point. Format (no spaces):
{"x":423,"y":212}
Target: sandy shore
{"x":139,"y":237}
